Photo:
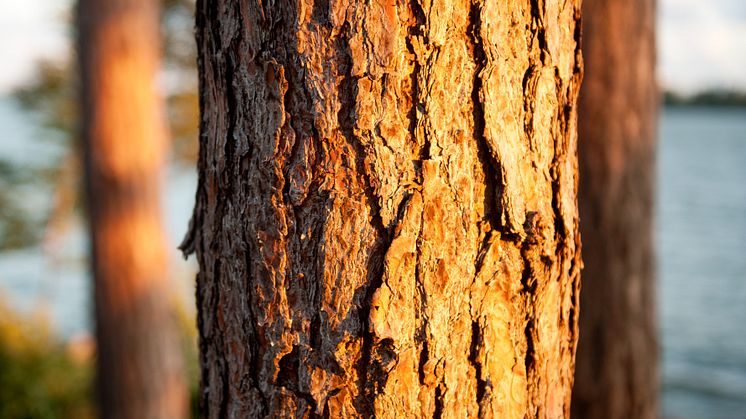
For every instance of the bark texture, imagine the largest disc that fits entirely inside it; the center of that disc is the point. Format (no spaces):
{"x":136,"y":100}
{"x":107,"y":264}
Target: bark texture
{"x":617,"y":374}
{"x":386,"y":220}
{"x":140,"y":371}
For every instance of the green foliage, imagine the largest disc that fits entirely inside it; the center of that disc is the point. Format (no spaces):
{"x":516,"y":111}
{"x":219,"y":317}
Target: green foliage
{"x":709,"y":98}
{"x":39,"y":376}
{"x":51,"y":99}
{"x":42,"y":377}
{"x":17,"y":228}
{"x":52,"y":96}
{"x":22,"y":221}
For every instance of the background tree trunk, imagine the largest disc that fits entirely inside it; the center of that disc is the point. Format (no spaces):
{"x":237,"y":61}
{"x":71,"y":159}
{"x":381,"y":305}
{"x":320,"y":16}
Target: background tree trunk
{"x":386,"y":218}
{"x":139,"y":364}
{"x":617,"y":374}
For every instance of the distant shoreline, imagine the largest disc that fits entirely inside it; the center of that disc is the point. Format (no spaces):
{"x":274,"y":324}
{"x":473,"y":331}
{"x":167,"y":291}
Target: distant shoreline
{"x":715,"y":98}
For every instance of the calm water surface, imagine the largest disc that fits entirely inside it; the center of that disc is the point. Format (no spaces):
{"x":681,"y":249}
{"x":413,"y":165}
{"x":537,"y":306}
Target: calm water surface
{"x":701,"y":237}
{"x":700,"y":234}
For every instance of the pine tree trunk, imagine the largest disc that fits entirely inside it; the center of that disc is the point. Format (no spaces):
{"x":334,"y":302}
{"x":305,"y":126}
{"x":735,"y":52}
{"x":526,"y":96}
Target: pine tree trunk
{"x":140,"y":371}
{"x":386,"y":220}
{"x":617,"y":374}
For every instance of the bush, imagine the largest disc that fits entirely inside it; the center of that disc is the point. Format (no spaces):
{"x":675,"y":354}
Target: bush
{"x":41,"y":377}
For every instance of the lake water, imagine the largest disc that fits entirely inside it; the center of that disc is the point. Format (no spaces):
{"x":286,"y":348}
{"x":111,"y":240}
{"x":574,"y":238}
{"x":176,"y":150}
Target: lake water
{"x":701,"y":238}
{"x":700,"y":235}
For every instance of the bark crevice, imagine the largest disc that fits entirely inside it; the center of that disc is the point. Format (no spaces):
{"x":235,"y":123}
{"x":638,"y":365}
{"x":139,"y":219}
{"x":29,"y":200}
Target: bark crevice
{"x":481,"y":383}
{"x":490,"y":165}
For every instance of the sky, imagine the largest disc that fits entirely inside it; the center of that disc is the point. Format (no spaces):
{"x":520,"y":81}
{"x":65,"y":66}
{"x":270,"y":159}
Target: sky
{"x":31,"y":30}
{"x":701,"y":43}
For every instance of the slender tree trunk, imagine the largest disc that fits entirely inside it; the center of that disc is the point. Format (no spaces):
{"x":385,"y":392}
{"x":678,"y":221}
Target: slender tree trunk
{"x":617,"y":374}
{"x":140,"y":370}
{"x":386,"y":218}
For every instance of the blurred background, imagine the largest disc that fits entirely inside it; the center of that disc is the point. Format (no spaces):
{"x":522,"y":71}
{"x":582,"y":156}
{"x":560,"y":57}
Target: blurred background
{"x":46,"y":343}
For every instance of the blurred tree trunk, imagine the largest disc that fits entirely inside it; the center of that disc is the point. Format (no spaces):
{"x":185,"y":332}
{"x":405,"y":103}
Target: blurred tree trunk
{"x":386,"y":218}
{"x":140,"y":371}
{"x":617,"y":374}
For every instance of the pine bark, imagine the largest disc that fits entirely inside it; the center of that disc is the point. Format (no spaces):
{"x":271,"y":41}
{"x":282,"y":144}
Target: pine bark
{"x":140,"y":371}
{"x":617,"y":373}
{"x":386,"y":220}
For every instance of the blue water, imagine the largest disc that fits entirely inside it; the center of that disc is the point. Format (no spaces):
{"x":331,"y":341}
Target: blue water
{"x":701,"y":240}
{"x":700,"y":235}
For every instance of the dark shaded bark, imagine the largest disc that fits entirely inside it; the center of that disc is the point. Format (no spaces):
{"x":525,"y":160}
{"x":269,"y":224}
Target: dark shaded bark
{"x":617,"y":373}
{"x":140,"y":371}
{"x":386,"y":219}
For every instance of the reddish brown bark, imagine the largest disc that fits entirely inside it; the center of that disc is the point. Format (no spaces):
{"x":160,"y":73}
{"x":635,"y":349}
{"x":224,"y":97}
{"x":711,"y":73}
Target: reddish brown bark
{"x":386,"y":218}
{"x":617,"y":374}
{"x":139,"y":364}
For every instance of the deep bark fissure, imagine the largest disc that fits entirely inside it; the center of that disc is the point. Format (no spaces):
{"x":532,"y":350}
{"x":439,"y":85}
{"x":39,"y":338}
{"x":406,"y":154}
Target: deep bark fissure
{"x":293,"y":202}
{"x":577,"y":36}
{"x":224,"y":402}
{"x":249,"y":327}
{"x":416,"y":31}
{"x":529,"y":285}
{"x":346,"y":120}
{"x":421,"y":331}
{"x":537,"y":19}
{"x":320,"y":11}
{"x":231,"y":102}
{"x":287,"y":377}
{"x":476,"y":342}
{"x":530,"y":80}
{"x":490,"y":168}
{"x":423,"y":358}
{"x":529,"y":359}
{"x":224,"y":386}
{"x":490,"y":165}
{"x":560,"y":231}
{"x":439,"y":394}
{"x":365,"y":369}
{"x":528,"y":279}
{"x":574,"y":272}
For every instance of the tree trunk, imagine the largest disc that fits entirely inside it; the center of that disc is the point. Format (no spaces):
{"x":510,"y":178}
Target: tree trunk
{"x":140,"y":370}
{"x":617,"y":374}
{"x":386,"y":220}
